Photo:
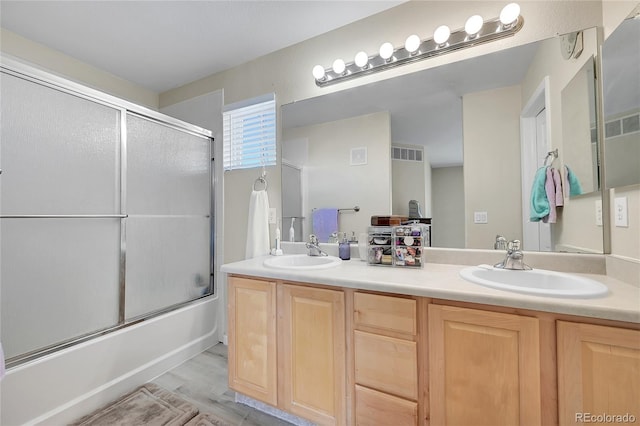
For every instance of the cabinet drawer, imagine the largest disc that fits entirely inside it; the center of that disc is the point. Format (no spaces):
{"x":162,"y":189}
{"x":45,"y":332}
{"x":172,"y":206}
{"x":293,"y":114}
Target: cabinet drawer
{"x":377,"y":408}
{"x":387,"y":364}
{"x":389,"y":313}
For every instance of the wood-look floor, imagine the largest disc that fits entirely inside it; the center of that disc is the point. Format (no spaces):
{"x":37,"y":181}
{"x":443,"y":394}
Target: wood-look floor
{"x":202,"y":380}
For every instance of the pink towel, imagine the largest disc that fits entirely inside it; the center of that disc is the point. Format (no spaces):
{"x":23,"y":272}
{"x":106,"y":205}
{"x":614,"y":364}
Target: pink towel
{"x":557,"y":180}
{"x":550,"y":189}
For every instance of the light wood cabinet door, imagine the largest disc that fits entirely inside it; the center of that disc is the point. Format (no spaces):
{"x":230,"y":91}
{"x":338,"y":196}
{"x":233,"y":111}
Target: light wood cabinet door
{"x":311,"y":329}
{"x":598,"y":374}
{"x":484,"y":368}
{"x":252,"y":338}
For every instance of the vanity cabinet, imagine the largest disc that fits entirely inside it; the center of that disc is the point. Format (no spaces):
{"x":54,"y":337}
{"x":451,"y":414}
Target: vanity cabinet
{"x":252,"y":338}
{"x":355,"y":357}
{"x":598,"y":373}
{"x":484,"y":367}
{"x":385,"y":340}
{"x":287,"y":347}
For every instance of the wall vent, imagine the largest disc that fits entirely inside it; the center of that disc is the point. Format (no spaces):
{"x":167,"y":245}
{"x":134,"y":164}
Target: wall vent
{"x":622,"y":126}
{"x":407,"y":154}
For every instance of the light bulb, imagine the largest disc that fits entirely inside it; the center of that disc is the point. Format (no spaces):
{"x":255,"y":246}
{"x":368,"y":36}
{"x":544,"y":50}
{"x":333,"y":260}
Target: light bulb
{"x":473,"y":25}
{"x":441,"y":34}
{"x":386,"y":51}
{"x":509,"y":13}
{"x":412,"y":44}
{"x":318,"y":72}
{"x":361,"y":59}
{"x":339,"y":66}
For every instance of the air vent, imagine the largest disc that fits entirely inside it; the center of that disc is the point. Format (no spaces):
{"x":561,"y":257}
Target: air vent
{"x":406,"y":154}
{"x":622,"y":126}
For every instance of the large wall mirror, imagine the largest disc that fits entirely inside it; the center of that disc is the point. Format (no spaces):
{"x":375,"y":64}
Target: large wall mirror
{"x":621,"y":103}
{"x":463,"y":140}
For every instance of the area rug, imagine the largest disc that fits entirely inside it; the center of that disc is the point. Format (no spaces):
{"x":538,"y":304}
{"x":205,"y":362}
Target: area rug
{"x":149,"y":405}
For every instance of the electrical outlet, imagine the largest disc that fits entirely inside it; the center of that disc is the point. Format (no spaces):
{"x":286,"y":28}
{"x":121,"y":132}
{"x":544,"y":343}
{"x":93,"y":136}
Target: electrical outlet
{"x":272,"y":215}
{"x":621,"y":216}
{"x":480,"y":217}
{"x":598,"y":212}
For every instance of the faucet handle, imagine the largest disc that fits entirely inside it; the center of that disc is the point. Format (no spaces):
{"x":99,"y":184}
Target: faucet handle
{"x":514,"y":245}
{"x":313,"y":239}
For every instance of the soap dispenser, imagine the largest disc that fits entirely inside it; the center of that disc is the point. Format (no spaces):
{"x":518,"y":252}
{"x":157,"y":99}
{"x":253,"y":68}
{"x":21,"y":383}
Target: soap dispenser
{"x":344,"y":248}
{"x":292,"y":231}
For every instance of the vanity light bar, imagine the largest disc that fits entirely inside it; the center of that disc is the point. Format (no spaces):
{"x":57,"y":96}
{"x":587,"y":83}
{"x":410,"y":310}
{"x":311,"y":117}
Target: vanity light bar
{"x":490,"y":30}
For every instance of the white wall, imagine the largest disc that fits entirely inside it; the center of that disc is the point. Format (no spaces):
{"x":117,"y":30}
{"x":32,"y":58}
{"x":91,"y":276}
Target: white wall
{"x":448,"y":225}
{"x":409,"y":182}
{"x":491,"y":144}
{"x":333,"y":182}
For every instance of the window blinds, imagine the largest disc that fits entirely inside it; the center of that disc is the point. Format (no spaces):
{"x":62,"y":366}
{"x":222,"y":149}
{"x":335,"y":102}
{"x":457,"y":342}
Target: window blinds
{"x":249,"y":133}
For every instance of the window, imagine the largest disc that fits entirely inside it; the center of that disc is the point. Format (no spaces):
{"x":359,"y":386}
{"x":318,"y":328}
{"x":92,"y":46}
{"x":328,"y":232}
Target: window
{"x":249,"y":133}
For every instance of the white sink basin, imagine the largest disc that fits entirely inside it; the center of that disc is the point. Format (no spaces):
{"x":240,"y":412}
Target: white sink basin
{"x":538,"y":282}
{"x":302,"y":262}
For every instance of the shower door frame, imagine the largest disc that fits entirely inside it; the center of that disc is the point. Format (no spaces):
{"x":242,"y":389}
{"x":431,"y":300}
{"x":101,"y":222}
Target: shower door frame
{"x":34,"y":75}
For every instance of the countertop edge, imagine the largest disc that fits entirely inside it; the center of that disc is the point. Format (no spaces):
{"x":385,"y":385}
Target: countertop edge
{"x":442,"y":281}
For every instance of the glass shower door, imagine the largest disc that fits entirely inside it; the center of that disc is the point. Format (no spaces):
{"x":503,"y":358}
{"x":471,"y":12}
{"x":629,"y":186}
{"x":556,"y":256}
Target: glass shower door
{"x":168,"y":226}
{"x":60,"y":209}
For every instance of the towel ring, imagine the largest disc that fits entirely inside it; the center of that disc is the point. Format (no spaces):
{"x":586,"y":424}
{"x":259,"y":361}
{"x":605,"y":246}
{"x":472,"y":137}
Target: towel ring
{"x":259,"y":181}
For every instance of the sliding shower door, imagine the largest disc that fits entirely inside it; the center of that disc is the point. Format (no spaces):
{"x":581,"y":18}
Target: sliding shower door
{"x":105,"y":214}
{"x":168,"y":228}
{"x":60,"y":207}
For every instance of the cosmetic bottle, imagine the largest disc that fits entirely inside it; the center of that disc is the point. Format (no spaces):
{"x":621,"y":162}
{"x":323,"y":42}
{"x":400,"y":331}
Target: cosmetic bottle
{"x":344,"y":249}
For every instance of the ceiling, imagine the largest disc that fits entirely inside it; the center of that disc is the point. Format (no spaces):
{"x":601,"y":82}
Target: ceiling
{"x":161,"y":45}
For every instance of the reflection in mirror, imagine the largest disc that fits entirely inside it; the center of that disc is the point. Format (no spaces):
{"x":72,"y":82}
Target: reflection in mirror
{"x":579,"y":131}
{"x":447,"y":137}
{"x":621,"y":103}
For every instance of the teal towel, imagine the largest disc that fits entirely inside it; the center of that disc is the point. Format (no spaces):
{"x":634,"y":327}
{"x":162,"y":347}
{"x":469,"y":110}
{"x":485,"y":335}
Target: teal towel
{"x":539,"y":201}
{"x":572,"y":182}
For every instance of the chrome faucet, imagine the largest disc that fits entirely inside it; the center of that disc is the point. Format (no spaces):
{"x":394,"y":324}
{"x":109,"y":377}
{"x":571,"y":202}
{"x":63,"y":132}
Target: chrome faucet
{"x":514,"y":259}
{"x":314,"y":247}
{"x":501,"y":243}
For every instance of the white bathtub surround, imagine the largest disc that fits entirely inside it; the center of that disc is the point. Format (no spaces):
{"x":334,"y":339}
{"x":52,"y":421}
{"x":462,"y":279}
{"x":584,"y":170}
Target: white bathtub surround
{"x":64,"y":386}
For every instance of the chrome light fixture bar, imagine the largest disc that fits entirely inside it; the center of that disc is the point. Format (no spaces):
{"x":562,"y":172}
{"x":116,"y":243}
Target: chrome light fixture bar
{"x":476,"y":32}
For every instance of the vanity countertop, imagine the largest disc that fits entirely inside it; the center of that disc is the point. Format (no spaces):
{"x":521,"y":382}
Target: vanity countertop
{"x":442,"y":281}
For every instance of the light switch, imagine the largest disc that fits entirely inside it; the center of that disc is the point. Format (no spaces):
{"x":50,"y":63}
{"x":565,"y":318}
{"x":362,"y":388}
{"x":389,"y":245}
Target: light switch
{"x":480,"y":217}
{"x":620,"y":214}
{"x":272,"y":215}
{"x":598,"y":212}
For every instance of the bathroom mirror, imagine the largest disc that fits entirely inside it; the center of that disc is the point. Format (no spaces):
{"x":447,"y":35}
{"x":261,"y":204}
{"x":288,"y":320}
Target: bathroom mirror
{"x":621,"y":104}
{"x":426,"y":137}
{"x":580,"y":131}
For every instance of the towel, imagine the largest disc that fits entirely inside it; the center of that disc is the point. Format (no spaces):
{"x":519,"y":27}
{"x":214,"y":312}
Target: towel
{"x":539,"y":200}
{"x":258,"y":227}
{"x":557,"y":180}
{"x":572,"y":184}
{"x":324,"y":222}
{"x":550,"y":190}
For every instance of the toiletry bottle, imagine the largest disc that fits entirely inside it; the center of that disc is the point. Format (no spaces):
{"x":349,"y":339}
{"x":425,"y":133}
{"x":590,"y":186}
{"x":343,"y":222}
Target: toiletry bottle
{"x":344,"y":249}
{"x":292,"y":232}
